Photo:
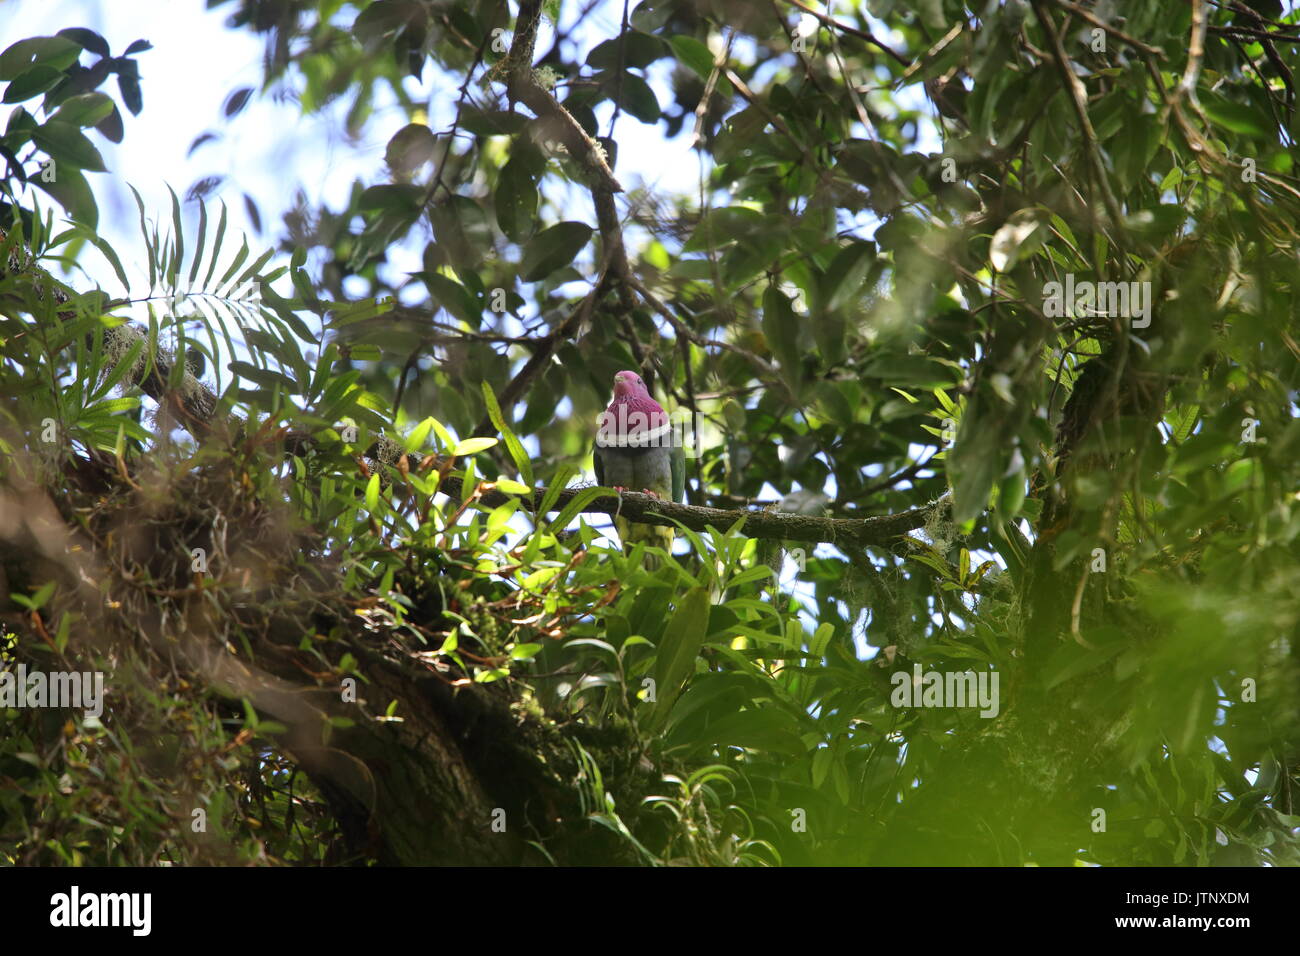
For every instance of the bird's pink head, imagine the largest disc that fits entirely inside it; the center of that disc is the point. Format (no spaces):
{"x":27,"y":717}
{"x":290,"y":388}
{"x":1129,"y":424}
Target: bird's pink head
{"x":632,"y":397}
{"x":628,"y":386}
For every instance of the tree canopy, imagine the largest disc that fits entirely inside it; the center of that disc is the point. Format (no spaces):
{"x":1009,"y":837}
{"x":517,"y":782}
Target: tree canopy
{"x":984,"y":318}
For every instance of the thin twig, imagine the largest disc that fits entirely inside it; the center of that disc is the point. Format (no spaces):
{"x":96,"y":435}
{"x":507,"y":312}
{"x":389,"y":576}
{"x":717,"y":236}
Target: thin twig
{"x":1116,"y":32}
{"x":851,"y":31}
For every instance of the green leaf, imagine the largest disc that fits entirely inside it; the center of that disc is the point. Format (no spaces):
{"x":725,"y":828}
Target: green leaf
{"x":720,"y":226}
{"x":511,"y":487}
{"x":400,"y":200}
{"x":553,"y":248}
{"x":419,"y":435}
{"x":216,"y":246}
{"x":268,"y":378}
{"x":769,"y":729}
{"x":637,"y":98}
{"x":85,"y":109}
{"x":73,"y":193}
{"x":453,"y":297}
{"x":1237,"y":117}
{"x":178,"y":234}
{"x":253,"y":270}
{"x":678,"y":648}
{"x":125,"y":364}
{"x":469,"y":446}
{"x":203,"y":235}
{"x":37,"y":600}
{"x":974,"y":464}
{"x":848,"y":271}
{"x":916,"y":370}
{"x":380,"y":22}
{"x":781,"y":328}
{"x":410,"y":148}
{"x":37,"y":80}
{"x":66,"y":144}
{"x":633,"y":50}
{"x":559,"y":481}
{"x":1133,"y":151}
{"x":492,"y":122}
{"x":576,"y":504}
{"x":112,"y":406}
{"x":513,"y":445}
{"x":239,"y":259}
{"x":350,"y":313}
{"x":1181,"y":420}
{"x":516,"y":199}
{"x":56,"y":52}
{"x":89,"y":39}
{"x":821,"y":639}
{"x":693,"y":54}
{"x":108,"y":253}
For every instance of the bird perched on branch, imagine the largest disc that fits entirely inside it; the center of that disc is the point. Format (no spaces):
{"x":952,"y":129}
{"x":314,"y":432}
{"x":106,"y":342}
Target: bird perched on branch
{"x":636,"y":450}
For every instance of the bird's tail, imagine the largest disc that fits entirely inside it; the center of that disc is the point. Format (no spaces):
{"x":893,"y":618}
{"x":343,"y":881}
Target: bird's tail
{"x":632,"y":532}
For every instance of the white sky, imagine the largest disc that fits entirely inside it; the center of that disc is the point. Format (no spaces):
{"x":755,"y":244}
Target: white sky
{"x":270,"y":150}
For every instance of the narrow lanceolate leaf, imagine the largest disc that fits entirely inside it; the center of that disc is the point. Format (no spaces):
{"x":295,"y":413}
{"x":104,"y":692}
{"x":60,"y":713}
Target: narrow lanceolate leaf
{"x":513,"y":445}
{"x":678,"y":648}
{"x":419,"y":435}
{"x":511,"y":487}
{"x":579,"y":503}
{"x":470,"y":446}
{"x":203,"y":235}
{"x":253,"y":270}
{"x":216,"y":246}
{"x":234,"y":266}
{"x":111,"y":406}
{"x":559,"y":481}
{"x":178,"y":258}
{"x":109,"y":253}
{"x":144,"y":231}
{"x":122,"y":367}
